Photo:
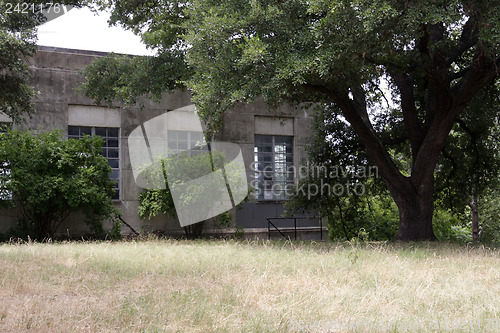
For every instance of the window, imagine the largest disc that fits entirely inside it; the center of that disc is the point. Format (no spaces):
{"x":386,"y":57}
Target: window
{"x":273,"y":156}
{"x":179,"y":141}
{"x":110,"y":150}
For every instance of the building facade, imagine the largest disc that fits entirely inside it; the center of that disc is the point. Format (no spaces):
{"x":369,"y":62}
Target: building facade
{"x":272,"y":141}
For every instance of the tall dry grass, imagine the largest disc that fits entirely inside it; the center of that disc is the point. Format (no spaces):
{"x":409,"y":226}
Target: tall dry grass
{"x":228,"y":286}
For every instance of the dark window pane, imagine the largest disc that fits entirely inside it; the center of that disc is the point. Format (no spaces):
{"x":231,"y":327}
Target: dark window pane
{"x":101,"y":131}
{"x":85,"y":130}
{"x":268,"y":167}
{"x":113,"y":143}
{"x":73,"y":131}
{"x":114,"y":163}
{"x":113,"y":132}
{"x":113,"y":153}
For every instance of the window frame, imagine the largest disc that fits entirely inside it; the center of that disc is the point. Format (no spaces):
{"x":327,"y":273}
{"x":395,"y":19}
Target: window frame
{"x":191,"y":144}
{"x":106,"y":148}
{"x":282,"y":165}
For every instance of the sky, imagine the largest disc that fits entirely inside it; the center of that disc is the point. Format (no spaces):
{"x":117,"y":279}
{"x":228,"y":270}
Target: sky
{"x":81,"y":29}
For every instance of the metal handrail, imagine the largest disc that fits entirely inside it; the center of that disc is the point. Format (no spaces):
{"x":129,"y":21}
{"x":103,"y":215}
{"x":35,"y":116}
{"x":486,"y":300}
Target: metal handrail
{"x":295,"y":218}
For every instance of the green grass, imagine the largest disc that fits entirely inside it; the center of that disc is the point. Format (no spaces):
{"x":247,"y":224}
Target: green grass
{"x":228,"y":286}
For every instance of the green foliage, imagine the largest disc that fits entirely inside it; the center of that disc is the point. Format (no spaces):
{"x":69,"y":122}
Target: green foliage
{"x":489,"y":219}
{"x":182,"y":167}
{"x":153,"y":202}
{"x":124,"y":78}
{"x":239,"y":232}
{"x":399,"y":72}
{"x":470,"y":161}
{"x":17,"y":44}
{"x":49,"y":178}
{"x":448,"y":227}
{"x":115,"y":231}
{"x":223,"y":220}
{"x":354,"y":196}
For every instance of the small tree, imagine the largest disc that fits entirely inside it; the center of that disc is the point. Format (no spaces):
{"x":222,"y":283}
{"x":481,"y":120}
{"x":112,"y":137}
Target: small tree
{"x":183,"y":167}
{"x":49,"y":178}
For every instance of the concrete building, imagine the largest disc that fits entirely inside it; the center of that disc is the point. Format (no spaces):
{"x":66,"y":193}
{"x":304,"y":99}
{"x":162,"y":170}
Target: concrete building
{"x":276,"y":140}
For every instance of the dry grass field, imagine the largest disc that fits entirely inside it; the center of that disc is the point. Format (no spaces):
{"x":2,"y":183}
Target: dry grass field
{"x":243,"y":286}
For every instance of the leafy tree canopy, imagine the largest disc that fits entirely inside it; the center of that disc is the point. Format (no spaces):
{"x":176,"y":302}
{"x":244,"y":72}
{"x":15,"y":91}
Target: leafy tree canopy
{"x":432,"y":56}
{"x":18,"y":23}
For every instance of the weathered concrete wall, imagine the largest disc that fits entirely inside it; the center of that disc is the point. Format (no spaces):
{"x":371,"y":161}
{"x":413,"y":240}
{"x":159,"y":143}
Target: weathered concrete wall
{"x":240,"y":127}
{"x":56,"y":75}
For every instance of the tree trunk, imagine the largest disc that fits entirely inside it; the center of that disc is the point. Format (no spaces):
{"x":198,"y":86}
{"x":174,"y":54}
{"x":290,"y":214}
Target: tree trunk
{"x":475,"y":217}
{"x":415,"y":213}
{"x":415,"y":220}
{"x":194,"y":231}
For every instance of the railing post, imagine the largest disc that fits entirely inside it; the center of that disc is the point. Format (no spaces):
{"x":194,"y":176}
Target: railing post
{"x":268,"y":229}
{"x":295,"y":227}
{"x":321,"y":228}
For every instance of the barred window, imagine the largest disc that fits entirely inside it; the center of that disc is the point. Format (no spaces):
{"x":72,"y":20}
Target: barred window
{"x":179,"y":141}
{"x":110,"y":149}
{"x":273,"y":157}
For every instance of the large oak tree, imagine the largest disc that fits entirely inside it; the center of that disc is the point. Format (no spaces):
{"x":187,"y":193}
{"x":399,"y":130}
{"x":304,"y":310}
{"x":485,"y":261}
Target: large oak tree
{"x":431,"y":57}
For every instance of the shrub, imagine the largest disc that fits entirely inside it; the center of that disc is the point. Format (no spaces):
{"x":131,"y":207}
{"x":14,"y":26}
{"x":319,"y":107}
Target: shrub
{"x":152,"y":202}
{"x":49,"y":178}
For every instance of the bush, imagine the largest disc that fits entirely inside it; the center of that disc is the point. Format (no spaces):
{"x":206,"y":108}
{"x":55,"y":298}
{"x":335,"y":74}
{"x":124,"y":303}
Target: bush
{"x":489,"y":217}
{"x":49,"y":178}
{"x":153,"y":202}
{"x":448,"y":227}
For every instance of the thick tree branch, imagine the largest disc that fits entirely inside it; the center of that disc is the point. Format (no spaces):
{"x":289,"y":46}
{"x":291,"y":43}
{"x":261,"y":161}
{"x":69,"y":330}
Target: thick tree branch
{"x":467,"y":40}
{"x":374,"y":148}
{"x":481,"y":73}
{"x":448,"y":105}
{"x":411,"y":121}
